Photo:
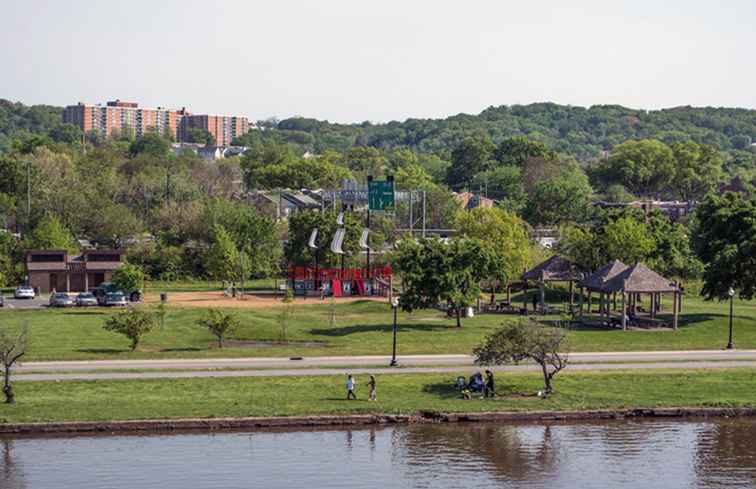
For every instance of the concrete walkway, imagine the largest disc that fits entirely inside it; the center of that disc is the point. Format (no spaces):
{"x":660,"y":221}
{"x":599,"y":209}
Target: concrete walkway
{"x":277,"y":367}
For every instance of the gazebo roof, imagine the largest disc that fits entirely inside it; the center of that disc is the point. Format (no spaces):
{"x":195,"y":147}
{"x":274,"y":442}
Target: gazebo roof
{"x":555,"y":269}
{"x":639,"y":279}
{"x":600,"y":277}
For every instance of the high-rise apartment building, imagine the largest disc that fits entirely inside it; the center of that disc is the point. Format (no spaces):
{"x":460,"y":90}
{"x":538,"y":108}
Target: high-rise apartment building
{"x":118,"y":115}
{"x":223,"y":128}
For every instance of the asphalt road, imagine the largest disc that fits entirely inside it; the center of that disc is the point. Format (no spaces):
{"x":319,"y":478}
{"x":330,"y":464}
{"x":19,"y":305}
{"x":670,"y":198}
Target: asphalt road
{"x":277,"y":367}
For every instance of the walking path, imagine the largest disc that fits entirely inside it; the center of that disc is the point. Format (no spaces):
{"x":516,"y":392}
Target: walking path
{"x":278,"y":367}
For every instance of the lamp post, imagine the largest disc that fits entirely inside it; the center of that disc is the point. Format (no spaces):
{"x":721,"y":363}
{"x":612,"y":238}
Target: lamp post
{"x":731,"y":293}
{"x":395,"y":307}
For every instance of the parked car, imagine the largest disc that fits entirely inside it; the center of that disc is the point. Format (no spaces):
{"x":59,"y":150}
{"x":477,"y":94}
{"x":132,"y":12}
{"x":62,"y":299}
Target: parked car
{"x":61,"y":299}
{"x":24,"y":292}
{"x":106,"y":287}
{"x":113,"y":299}
{"x":85,"y":299}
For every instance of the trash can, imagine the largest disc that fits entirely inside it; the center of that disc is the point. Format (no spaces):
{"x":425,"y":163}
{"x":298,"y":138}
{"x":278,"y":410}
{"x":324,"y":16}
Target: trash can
{"x":163,"y":297}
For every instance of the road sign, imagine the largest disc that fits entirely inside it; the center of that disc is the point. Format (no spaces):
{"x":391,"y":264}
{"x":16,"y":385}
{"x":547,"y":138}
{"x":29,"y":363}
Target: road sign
{"x":381,"y":195}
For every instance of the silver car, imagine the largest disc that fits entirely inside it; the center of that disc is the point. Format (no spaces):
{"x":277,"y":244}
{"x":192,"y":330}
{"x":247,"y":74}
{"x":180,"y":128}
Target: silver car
{"x":115,"y":299}
{"x":86,"y":299}
{"x":24,"y":292}
{"x":61,"y":299}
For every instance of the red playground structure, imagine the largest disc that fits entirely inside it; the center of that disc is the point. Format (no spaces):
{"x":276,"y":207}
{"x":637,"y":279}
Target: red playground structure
{"x":341,"y":283}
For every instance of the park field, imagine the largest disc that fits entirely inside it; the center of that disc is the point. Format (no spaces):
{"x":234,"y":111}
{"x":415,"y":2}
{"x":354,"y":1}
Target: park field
{"x":397,"y":394}
{"x":318,"y":328}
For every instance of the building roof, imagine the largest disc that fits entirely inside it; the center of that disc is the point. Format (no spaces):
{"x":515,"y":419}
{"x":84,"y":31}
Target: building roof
{"x":301,"y":200}
{"x":639,"y":279}
{"x":600,"y":277}
{"x":555,"y":269}
{"x":469,"y":200}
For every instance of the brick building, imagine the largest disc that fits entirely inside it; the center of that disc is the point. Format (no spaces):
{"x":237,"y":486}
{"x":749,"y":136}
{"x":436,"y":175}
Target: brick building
{"x":118,"y":115}
{"x":224,"y":128}
{"x":49,"y":270}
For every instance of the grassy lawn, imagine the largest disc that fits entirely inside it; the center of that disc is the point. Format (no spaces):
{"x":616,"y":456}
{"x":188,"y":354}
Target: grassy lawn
{"x":360,"y":328}
{"x":206,"y":285}
{"x":397,"y":394}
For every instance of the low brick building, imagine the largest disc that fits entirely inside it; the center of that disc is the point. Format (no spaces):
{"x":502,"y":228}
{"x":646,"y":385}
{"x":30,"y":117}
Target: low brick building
{"x":49,"y":270}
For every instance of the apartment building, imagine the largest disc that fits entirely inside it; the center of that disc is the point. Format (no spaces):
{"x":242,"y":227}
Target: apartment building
{"x":118,"y":115}
{"x":223,"y":128}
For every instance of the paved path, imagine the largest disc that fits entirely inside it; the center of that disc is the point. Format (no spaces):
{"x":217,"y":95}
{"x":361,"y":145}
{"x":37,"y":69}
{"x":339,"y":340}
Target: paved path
{"x":299,"y":372}
{"x":270,"y":367}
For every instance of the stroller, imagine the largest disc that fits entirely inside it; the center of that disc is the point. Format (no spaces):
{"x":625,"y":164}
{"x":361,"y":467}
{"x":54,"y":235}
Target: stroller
{"x":474,"y":385}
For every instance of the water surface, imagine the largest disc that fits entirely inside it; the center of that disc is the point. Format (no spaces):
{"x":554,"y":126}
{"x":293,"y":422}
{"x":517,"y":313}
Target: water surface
{"x":617,"y":454}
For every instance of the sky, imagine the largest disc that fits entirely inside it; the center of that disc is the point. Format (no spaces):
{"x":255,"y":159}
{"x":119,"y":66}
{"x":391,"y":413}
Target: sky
{"x":351,"y":61}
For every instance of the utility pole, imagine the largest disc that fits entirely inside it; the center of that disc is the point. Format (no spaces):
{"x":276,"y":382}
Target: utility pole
{"x":424,"y":213}
{"x":28,"y":194}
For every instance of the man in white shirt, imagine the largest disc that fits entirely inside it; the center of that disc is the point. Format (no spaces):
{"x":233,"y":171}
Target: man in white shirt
{"x":350,"y":387}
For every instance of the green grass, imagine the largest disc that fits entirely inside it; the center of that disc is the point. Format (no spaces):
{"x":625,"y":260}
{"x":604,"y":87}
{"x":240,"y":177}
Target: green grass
{"x":157,"y":286}
{"x":361,"y":328}
{"x":397,"y":394}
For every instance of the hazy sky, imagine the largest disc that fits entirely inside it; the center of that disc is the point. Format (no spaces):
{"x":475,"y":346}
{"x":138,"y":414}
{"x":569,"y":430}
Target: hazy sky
{"x":380,"y":60}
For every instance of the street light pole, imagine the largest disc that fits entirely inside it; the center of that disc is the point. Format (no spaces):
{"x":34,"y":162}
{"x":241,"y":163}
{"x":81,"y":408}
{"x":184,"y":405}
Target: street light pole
{"x":731,"y":293}
{"x":395,"y":307}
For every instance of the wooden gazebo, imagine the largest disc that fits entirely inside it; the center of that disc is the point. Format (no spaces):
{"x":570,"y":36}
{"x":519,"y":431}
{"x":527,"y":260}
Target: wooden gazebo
{"x":596,"y":282}
{"x":639,"y":279}
{"x":555,"y":269}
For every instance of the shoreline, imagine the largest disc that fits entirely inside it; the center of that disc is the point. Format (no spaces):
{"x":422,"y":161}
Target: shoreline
{"x":164,"y":426}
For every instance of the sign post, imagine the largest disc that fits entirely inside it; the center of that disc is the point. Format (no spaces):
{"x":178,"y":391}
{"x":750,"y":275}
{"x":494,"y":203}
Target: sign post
{"x":381,"y":195}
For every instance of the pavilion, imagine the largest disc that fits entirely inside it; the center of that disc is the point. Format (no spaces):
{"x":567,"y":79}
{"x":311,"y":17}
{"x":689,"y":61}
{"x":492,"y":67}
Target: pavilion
{"x":555,"y":269}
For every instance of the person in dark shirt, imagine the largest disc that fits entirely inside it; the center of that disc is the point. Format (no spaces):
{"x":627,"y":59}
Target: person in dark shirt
{"x":489,"y":390}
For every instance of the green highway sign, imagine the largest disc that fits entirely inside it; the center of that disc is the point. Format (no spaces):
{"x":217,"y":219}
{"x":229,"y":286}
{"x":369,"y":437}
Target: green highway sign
{"x":381,"y":195}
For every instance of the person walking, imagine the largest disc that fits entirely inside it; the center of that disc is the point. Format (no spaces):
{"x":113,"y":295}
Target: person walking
{"x":350,"y":387}
{"x":490,"y":388}
{"x":371,"y":384}
{"x":535,"y":303}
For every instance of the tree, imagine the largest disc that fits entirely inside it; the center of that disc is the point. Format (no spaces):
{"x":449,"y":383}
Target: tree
{"x":645,"y":167}
{"x":12,"y":348}
{"x":618,"y":193}
{"x":698,"y":170}
{"x":503,"y":184}
{"x":628,"y":240}
{"x":524,"y":340}
{"x":220,"y":324}
{"x":725,"y":240}
{"x":222,"y":257}
{"x":436,"y":272}
{"x":517,"y":150}
{"x":133,"y":323}
{"x":470,"y":157}
{"x":566,"y":198}
{"x":504,"y":233}
{"x":51,"y":234}
{"x":580,"y":244}
{"x":152,"y":144}
{"x":129,"y":278}
{"x":199,"y":136}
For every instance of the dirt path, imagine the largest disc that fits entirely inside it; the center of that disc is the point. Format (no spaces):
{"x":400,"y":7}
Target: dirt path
{"x":250,"y":301}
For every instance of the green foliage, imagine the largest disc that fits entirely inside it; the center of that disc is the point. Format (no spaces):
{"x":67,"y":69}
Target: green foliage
{"x":50,"y":234}
{"x":470,"y":157}
{"x":698,"y":170}
{"x":645,"y":167}
{"x":504,"y":233}
{"x":503,"y":184}
{"x":222,"y":257}
{"x":220,"y":324}
{"x":129,"y":278}
{"x":151,"y":144}
{"x":435,"y":272}
{"x":301,"y":224}
{"x":628,"y":240}
{"x":200,"y":136}
{"x":725,"y":240}
{"x":564,"y":198}
{"x":133,"y":323}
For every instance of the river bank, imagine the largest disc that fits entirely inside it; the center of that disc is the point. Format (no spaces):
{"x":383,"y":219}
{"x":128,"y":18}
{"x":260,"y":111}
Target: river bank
{"x":251,"y":423}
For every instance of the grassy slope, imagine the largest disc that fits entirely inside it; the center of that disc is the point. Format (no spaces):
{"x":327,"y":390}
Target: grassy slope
{"x":399,"y":393}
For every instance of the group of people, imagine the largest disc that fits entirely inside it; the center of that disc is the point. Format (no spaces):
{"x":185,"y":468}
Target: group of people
{"x":351,"y":385}
{"x":478,"y":384}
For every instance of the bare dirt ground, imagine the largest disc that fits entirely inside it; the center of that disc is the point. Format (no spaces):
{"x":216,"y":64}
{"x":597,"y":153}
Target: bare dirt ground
{"x":249,"y":301}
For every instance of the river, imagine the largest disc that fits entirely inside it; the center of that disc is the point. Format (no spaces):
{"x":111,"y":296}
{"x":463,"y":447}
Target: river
{"x":614,"y":454}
